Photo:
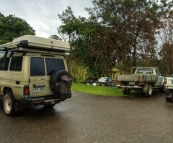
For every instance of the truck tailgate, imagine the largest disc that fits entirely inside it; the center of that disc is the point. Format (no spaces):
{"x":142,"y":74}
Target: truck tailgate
{"x":169,"y":83}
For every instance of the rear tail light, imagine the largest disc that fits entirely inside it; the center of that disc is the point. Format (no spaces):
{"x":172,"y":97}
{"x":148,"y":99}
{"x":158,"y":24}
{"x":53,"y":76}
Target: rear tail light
{"x":26,"y":91}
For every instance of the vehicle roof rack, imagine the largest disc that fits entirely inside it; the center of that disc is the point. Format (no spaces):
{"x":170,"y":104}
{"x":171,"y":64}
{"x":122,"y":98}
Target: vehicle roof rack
{"x":32,"y":43}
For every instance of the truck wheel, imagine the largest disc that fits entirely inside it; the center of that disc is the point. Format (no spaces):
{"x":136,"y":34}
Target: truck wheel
{"x":125,"y":90}
{"x":169,"y":96}
{"x":9,"y":104}
{"x":149,"y":91}
{"x":162,"y":89}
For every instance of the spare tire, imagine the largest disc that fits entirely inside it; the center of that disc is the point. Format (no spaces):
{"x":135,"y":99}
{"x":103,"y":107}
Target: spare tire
{"x":55,"y":79}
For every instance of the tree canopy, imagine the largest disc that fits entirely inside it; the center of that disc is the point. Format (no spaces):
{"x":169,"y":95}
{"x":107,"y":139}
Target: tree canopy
{"x":118,"y":33}
{"x":12,"y":27}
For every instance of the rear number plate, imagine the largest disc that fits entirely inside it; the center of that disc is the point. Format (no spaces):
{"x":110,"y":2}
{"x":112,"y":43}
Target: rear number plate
{"x":39,"y":89}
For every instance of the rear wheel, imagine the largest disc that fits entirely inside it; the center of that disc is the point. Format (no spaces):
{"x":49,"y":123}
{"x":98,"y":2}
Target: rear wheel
{"x":169,"y":96}
{"x":162,"y":89}
{"x":149,"y":91}
{"x":9,"y":103}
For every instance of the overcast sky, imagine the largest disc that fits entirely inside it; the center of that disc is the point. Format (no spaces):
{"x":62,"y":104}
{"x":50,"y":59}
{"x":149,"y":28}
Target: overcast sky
{"x":42,"y":15}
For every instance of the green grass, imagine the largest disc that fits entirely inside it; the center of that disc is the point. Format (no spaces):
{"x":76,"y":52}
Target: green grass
{"x":96,"y":90}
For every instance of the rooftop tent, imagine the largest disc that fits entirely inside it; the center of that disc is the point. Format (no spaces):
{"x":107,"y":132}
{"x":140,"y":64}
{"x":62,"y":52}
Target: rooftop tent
{"x":35,"y":43}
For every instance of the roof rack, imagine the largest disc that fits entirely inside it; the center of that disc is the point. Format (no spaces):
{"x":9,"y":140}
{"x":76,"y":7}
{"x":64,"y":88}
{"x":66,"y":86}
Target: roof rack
{"x":30,"y":43}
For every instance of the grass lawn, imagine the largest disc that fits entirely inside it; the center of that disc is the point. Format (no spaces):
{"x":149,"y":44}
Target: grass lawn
{"x":103,"y":90}
{"x":97,"y":90}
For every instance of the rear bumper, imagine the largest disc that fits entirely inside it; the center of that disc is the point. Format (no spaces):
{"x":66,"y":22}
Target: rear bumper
{"x":38,"y":101}
{"x":131,"y":87}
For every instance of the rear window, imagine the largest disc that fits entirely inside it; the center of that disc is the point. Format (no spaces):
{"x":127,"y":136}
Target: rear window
{"x":4,"y":62}
{"x":54,"y":64}
{"x":37,"y":67}
{"x":145,"y":71}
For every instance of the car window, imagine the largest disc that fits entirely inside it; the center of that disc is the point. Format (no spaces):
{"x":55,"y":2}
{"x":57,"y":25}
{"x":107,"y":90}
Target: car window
{"x":37,"y":67}
{"x":157,"y":72}
{"x":145,"y":71}
{"x":54,"y":64}
{"x":4,"y":62}
{"x":16,"y":64}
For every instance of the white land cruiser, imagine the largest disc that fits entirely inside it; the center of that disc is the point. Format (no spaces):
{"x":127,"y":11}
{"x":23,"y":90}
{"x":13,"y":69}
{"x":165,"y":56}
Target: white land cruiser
{"x":33,"y":71}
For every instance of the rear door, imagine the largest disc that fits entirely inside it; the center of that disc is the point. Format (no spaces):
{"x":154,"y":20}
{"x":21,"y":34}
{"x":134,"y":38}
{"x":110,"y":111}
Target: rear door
{"x":38,"y":78}
{"x":41,"y":68}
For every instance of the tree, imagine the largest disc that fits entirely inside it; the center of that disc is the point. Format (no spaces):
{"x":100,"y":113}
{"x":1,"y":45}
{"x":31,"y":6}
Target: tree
{"x":85,"y":38}
{"x":12,"y":27}
{"x":69,"y":32}
{"x":166,"y":42}
{"x":121,"y":32}
{"x":134,"y":24}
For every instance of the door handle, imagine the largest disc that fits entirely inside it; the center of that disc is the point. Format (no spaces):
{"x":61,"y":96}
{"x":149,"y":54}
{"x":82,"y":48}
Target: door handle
{"x":38,"y":85}
{"x":43,"y":78}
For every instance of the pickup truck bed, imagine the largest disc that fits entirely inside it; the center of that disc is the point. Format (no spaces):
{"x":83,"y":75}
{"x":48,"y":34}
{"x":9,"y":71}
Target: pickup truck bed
{"x":136,"y":78}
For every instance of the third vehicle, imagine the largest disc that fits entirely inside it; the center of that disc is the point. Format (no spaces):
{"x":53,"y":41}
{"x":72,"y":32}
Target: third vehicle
{"x":143,"y":79}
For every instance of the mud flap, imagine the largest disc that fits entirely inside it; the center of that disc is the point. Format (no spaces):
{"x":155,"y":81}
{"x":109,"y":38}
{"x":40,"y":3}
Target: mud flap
{"x":145,"y":87}
{"x":18,"y":106}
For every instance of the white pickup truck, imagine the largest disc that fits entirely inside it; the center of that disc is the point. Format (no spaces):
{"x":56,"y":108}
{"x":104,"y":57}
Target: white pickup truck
{"x":142,"y":78}
{"x":168,"y":85}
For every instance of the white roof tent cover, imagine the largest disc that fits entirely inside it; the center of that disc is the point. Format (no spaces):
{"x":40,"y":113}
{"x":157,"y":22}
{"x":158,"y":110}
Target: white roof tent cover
{"x":36,"y":44}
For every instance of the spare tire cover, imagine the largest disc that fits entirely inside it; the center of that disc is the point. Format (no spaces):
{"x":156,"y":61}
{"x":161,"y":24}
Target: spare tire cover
{"x":55,"y":80}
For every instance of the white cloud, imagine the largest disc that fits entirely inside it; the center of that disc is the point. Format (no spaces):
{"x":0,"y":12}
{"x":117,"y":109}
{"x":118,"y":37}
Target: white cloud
{"x":42,"y":15}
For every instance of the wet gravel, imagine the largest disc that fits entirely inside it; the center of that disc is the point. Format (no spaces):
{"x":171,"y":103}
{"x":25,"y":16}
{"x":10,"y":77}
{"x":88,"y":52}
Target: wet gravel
{"x":92,"y":119}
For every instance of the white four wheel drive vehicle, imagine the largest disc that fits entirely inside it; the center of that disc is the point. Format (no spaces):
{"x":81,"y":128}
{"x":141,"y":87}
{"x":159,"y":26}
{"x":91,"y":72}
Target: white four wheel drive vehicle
{"x":33,"y":71}
{"x":144,"y":79}
{"x":168,"y":83}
